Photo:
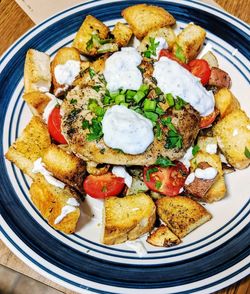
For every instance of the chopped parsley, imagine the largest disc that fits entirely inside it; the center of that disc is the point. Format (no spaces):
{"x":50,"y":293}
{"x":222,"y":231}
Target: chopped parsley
{"x":174,"y":139}
{"x":158,"y":185}
{"x":95,"y":130}
{"x":151,"y":48}
{"x":247,"y":152}
{"x":85,"y":124}
{"x":149,"y":172}
{"x":158,"y":131}
{"x":164,"y":162}
{"x":195,"y":150}
{"x":73,"y":101}
{"x":91,"y":72}
{"x":96,"y":88}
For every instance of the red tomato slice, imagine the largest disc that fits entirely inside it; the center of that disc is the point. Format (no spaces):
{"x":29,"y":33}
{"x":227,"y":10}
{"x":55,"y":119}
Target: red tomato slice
{"x":170,"y":55}
{"x":54,"y":126}
{"x":166,"y":180}
{"x":103,"y":186}
{"x":200,"y":69}
{"x":206,"y":121}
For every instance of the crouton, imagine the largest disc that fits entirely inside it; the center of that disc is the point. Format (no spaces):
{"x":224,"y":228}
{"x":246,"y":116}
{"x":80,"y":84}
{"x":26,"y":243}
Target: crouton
{"x":64,"y":166}
{"x":218,"y":189}
{"x":226,"y":102}
{"x":167,"y":33}
{"x":30,"y":145}
{"x":163,"y":237}
{"x":62,"y":56}
{"x":90,"y":28}
{"x":189,"y":41}
{"x":142,"y":18}
{"x":181,"y":214}
{"x":37,"y":76}
{"x":127,"y":218}
{"x":122,"y":34}
{"x":233,"y":136}
{"x":50,"y":201}
{"x":37,"y":101}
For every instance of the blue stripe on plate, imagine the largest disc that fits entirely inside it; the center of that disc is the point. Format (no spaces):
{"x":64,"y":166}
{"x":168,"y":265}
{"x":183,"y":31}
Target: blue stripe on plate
{"x":225,"y":256}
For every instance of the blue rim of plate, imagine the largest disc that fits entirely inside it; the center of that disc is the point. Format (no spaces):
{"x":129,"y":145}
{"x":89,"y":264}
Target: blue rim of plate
{"x":16,"y":220}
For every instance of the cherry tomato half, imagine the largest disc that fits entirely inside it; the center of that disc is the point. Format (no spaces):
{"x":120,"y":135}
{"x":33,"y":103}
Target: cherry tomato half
{"x":103,"y":186}
{"x":170,"y":55}
{"x":200,"y":69}
{"x":165,"y":180}
{"x":54,"y":126}
{"x":206,"y":121}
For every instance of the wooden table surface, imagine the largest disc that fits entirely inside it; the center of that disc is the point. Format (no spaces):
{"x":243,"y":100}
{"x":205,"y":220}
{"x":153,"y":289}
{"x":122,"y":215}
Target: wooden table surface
{"x":13,"y":23}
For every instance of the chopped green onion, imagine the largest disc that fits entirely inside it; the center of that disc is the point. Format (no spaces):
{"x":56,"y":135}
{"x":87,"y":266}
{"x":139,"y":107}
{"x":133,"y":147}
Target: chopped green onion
{"x":164,"y":162}
{"x":158,"y":91}
{"x":124,"y":104}
{"x":151,"y":115}
{"x":159,"y":110}
{"x":130,"y":94}
{"x":195,"y":149}
{"x":158,"y":185}
{"x":114,"y":94}
{"x":119,"y":99}
{"x":149,"y":172}
{"x":106,"y":100}
{"x":139,"y":96}
{"x":179,"y":103}
{"x":170,"y":99}
{"x":149,"y":105}
{"x":144,"y":88}
{"x":180,"y":54}
{"x":247,"y":152}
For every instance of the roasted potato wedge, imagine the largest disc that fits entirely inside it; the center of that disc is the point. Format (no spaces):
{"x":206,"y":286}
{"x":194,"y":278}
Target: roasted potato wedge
{"x":226,"y":102}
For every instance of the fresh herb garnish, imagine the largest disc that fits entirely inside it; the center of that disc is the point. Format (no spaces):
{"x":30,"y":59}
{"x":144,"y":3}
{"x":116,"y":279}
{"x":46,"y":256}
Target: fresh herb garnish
{"x":73,"y":101}
{"x":158,"y":132}
{"x":195,"y":150}
{"x":85,"y":124}
{"x":95,"y":130}
{"x":179,"y":103}
{"x":247,"y":152}
{"x":180,"y":54}
{"x":149,"y":172}
{"x":174,"y":139}
{"x":96,"y":42}
{"x":96,"y":88}
{"x":91,"y":72}
{"x":151,"y":48}
{"x":164,"y":162}
{"x":158,"y":185}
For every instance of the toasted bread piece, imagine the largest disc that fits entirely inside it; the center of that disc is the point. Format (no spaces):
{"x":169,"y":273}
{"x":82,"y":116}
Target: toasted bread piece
{"x":89,"y":27}
{"x":190,"y":41}
{"x":122,"y":34}
{"x":218,"y":189}
{"x":64,"y":166}
{"x":207,"y":144}
{"x":37,"y":76}
{"x":163,"y":237}
{"x":181,"y":214}
{"x":233,"y":136}
{"x":226,"y":102}
{"x":62,"y":56}
{"x":142,"y":18}
{"x":167,"y":33}
{"x":127,"y":218}
{"x":37,"y":102}
{"x":30,"y":145}
{"x":50,"y":200}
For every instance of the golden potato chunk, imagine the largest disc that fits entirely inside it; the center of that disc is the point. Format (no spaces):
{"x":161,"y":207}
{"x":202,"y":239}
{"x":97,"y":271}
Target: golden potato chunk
{"x":30,"y":145}
{"x":64,"y":166}
{"x":142,"y":18}
{"x":233,"y":136}
{"x":163,"y":237}
{"x":37,"y":102}
{"x":181,"y":214}
{"x":226,"y":102}
{"x":122,"y":34}
{"x":189,"y":41}
{"x":51,"y":200}
{"x":37,"y":76}
{"x":62,"y":56}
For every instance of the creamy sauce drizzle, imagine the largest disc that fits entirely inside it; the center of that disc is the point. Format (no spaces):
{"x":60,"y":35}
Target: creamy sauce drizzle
{"x":127,"y":130}
{"x":66,"y":73}
{"x":50,"y":106}
{"x":173,"y":78}
{"x":121,"y":71}
{"x":67,"y":209}
{"x":138,"y":247}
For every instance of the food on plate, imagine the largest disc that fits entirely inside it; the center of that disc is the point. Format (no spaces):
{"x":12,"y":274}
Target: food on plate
{"x":141,"y":128}
{"x":127,"y":218}
{"x":181,"y":214}
{"x":233,"y":136}
{"x":142,"y":18}
{"x":58,"y":206}
{"x":163,"y":237}
{"x":37,"y":76}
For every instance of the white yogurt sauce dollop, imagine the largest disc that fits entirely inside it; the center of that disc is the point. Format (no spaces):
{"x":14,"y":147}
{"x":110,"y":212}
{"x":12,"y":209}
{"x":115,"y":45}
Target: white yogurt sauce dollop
{"x":173,"y":78}
{"x":121,"y":71}
{"x":66,"y":73}
{"x":127,"y":130}
{"x":39,"y":167}
{"x":205,"y":174}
